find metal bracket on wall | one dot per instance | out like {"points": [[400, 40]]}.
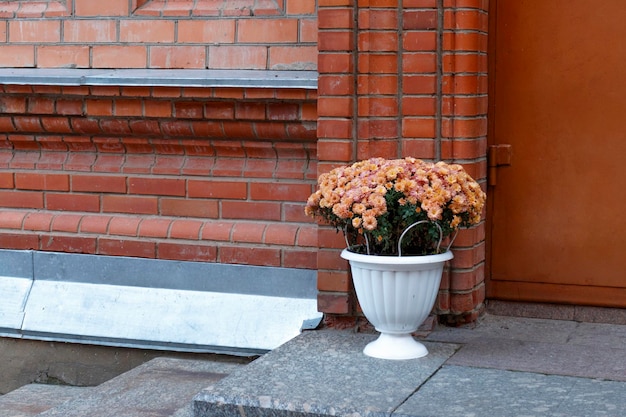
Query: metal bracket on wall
{"points": [[497, 156]]}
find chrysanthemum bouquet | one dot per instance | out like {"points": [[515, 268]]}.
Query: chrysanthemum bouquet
{"points": [[374, 201]]}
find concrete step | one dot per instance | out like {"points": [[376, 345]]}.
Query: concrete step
{"points": [[163, 387], [33, 399]]}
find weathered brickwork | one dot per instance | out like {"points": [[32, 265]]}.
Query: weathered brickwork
{"points": [[168, 173], [222, 174]]}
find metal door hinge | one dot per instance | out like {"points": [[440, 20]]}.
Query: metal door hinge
{"points": [[497, 156]]}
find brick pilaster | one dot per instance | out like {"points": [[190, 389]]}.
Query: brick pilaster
{"points": [[403, 78]]}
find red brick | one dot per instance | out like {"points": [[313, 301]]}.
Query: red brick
{"points": [[46, 182], [107, 8], [237, 57], [146, 31], [80, 162], [69, 107], [107, 56], [6, 124], [125, 226], [99, 107], [108, 163], [177, 57], [156, 186], [281, 234], [279, 191], [6, 180], [329, 238], [17, 56], [73, 202], [378, 19], [248, 232], [185, 229], [335, 129], [11, 104], [264, 31], [34, 31], [335, 41], [308, 30], [293, 57], [89, 31], [56, 124], [217, 189], [250, 210], [182, 252], [168, 165], [12, 219], [27, 124], [189, 208], [307, 236], [19, 241], [418, 127], [297, 258], [333, 303], [249, 256], [220, 231], [21, 199], [69, 244], [335, 18], [66, 223], [129, 204], [206, 31], [335, 63], [24, 160], [119, 247], [333, 281], [154, 227], [98, 224]]}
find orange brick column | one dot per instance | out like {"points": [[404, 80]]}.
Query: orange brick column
{"points": [[402, 78]]}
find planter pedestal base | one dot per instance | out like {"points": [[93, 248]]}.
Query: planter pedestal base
{"points": [[395, 347], [396, 294]]}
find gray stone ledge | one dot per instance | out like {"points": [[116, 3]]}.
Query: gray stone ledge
{"points": [[159, 78]]}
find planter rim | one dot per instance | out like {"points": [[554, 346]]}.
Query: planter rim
{"points": [[395, 260]]}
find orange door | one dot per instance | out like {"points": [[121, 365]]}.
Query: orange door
{"points": [[558, 96]]}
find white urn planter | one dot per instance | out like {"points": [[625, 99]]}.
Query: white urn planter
{"points": [[396, 294]]}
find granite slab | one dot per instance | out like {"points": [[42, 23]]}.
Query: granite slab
{"points": [[456, 391], [163, 387], [320, 373], [558, 347], [33, 399]]}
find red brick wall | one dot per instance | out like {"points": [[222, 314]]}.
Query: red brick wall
{"points": [[224, 34], [205, 174], [221, 174], [403, 79], [212, 174]]}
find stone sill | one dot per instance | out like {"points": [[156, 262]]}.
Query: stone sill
{"points": [[159, 78]]}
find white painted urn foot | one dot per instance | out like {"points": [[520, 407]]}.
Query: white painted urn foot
{"points": [[395, 347]]}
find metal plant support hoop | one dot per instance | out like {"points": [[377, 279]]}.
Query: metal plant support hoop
{"points": [[404, 232]]}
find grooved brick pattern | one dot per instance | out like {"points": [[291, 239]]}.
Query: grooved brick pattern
{"points": [[216, 175]]}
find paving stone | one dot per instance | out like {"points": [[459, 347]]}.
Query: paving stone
{"points": [[557, 347], [474, 392], [320, 373], [32, 399], [163, 387]]}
